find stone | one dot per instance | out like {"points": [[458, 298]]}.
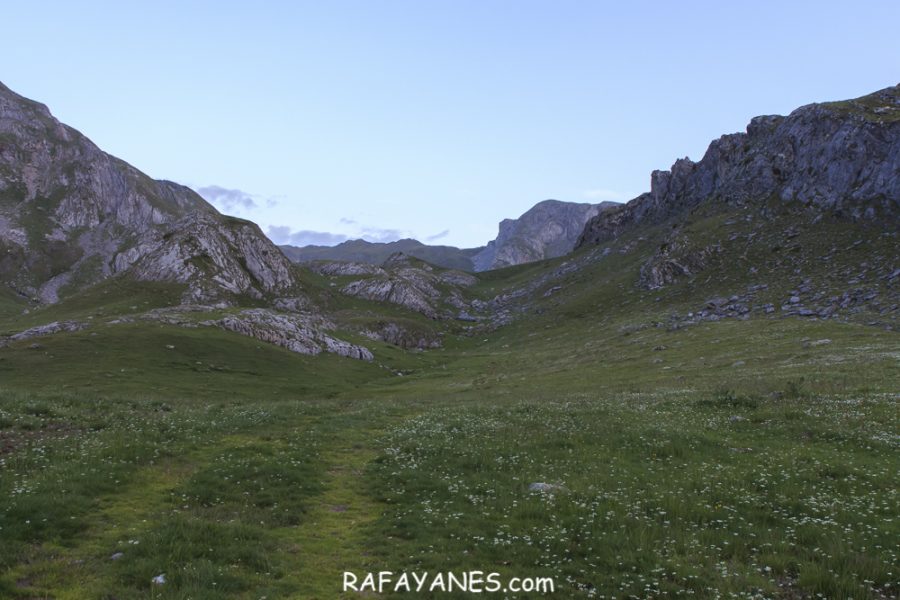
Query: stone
{"points": [[545, 487], [304, 334]]}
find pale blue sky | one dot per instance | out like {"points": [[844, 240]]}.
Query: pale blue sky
{"points": [[414, 118]]}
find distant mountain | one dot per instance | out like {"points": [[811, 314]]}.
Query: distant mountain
{"points": [[547, 230], [836, 158], [376, 253], [72, 215]]}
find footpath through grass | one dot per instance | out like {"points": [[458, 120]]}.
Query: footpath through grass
{"points": [[744, 470]]}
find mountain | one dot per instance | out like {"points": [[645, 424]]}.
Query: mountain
{"points": [[700, 376], [72, 215], [376, 253], [836, 158], [547, 230]]}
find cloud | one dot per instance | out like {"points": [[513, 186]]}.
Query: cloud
{"points": [[373, 234], [226, 199], [603, 195], [437, 236], [281, 234], [346, 221]]}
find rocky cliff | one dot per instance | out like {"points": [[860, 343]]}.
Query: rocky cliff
{"points": [[842, 158], [547, 230], [72, 215]]}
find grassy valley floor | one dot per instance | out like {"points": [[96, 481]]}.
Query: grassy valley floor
{"points": [[729, 459]]}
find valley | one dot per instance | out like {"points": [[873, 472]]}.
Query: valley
{"points": [[706, 387]]}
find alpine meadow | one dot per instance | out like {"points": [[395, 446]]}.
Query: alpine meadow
{"points": [[690, 394]]}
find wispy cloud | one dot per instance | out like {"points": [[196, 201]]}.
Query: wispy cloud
{"points": [[282, 234], [226, 199], [374, 234], [437, 236], [601, 195], [346, 221]]}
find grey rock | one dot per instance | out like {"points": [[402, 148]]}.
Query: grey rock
{"points": [[339, 268], [42, 330], [674, 259], [417, 294], [833, 157], [72, 215], [547, 230], [540, 486], [415, 285], [304, 334], [399, 335]]}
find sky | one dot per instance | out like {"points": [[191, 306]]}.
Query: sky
{"points": [[432, 119]]}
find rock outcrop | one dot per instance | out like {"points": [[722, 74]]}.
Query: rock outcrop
{"points": [[839, 157], [72, 215], [297, 333], [406, 281], [42, 330], [211, 255], [547, 230]]}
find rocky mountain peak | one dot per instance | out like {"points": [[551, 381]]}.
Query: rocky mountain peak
{"points": [[548, 229], [839, 157], [71, 215]]}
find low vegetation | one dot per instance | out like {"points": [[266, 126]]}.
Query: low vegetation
{"points": [[742, 457]]}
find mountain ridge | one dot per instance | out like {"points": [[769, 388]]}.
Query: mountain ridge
{"points": [[376, 253], [72, 215], [548, 229], [842, 157]]}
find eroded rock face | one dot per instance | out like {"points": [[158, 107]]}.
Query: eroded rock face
{"points": [[676, 258], [415, 293], [547, 230], [210, 254], [71, 215], [398, 335], [42, 330], [411, 283], [338, 268], [841, 157], [304, 334]]}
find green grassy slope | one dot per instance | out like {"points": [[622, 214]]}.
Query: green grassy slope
{"points": [[749, 457]]}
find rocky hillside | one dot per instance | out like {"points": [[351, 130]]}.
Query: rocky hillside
{"points": [[361, 251], [72, 215], [547, 230], [838, 158]]}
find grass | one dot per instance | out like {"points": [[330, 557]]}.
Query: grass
{"points": [[738, 458]]}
